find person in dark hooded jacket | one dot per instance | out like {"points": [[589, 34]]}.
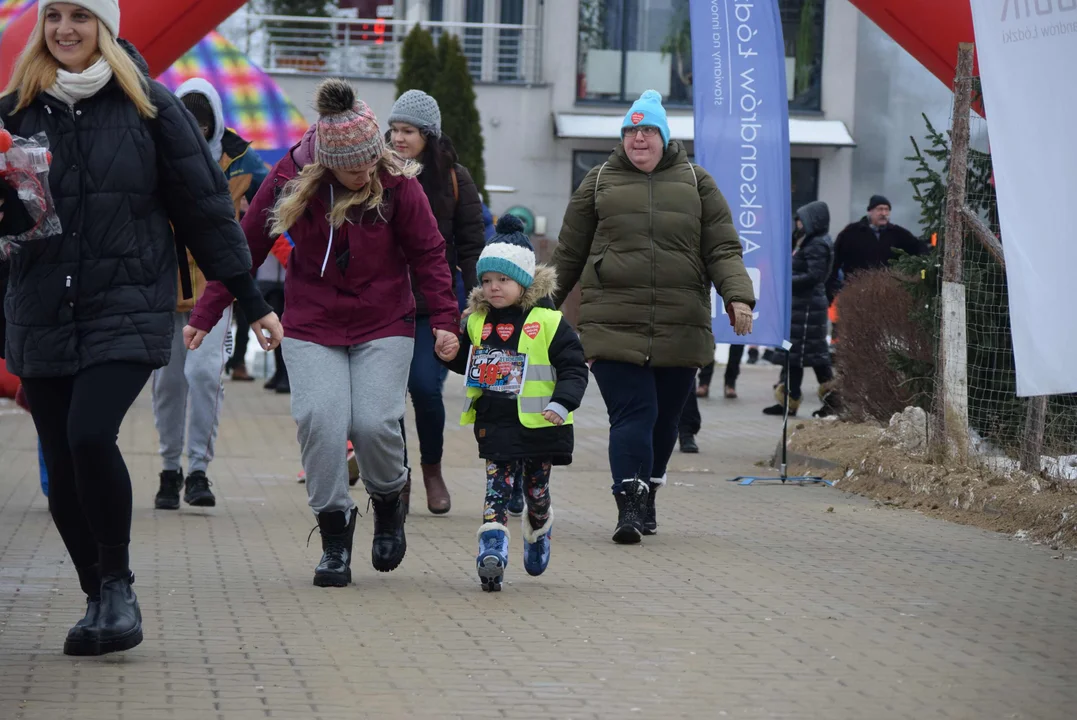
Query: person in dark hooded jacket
{"points": [[523, 414], [415, 133], [90, 311], [813, 254]]}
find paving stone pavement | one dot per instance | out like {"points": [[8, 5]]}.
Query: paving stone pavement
{"points": [[750, 603]]}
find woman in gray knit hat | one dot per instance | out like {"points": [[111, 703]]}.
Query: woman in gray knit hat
{"points": [[415, 133]]}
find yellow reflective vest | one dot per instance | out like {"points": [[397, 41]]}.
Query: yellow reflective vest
{"points": [[540, 377]]}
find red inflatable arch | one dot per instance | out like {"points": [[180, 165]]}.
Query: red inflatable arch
{"points": [[930, 30], [162, 30]]}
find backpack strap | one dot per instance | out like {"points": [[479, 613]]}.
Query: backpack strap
{"points": [[597, 181], [455, 185]]}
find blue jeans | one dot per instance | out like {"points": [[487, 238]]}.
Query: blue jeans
{"points": [[425, 382], [644, 406]]}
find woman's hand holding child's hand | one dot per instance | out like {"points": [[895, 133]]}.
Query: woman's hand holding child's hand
{"points": [[553, 417], [446, 345]]}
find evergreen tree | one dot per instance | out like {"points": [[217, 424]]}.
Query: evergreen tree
{"points": [[455, 93], [418, 63]]}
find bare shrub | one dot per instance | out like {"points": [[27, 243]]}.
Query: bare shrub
{"points": [[885, 358]]}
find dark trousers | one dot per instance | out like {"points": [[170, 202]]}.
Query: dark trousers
{"points": [[823, 373], [425, 383], [78, 419], [732, 367], [275, 298], [644, 406], [243, 334], [691, 421]]}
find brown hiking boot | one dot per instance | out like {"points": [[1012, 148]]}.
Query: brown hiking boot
{"points": [[239, 373], [437, 495]]}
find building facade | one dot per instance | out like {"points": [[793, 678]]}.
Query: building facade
{"points": [[555, 77]]}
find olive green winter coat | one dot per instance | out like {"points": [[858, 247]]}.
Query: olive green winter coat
{"points": [[645, 249]]}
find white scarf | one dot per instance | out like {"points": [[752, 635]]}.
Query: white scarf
{"points": [[72, 87]]}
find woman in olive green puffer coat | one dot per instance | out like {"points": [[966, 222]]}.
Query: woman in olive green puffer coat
{"points": [[645, 235]]}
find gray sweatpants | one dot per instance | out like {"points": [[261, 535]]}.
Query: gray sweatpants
{"points": [[191, 381], [349, 393]]}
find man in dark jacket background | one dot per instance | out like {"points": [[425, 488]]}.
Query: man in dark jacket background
{"points": [[869, 244]]}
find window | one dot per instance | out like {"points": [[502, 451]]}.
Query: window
{"points": [[508, 41], [628, 46], [437, 10], [804, 173], [473, 13], [805, 176]]}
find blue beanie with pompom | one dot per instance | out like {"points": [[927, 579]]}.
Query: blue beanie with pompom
{"points": [[648, 111], [508, 252]]}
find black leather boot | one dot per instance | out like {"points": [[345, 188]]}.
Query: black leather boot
{"points": [[632, 508], [390, 544], [168, 493], [337, 530], [82, 638], [119, 620], [650, 519]]}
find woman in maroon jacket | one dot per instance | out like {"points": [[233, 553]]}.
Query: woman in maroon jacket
{"points": [[359, 220]]}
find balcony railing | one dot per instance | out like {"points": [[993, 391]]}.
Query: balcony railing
{"points": [[370, 48]]}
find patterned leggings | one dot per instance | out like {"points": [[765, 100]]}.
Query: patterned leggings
{"points": [[500, 478]]}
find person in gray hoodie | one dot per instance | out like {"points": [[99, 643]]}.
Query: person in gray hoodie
{"points": [[188, 391]]}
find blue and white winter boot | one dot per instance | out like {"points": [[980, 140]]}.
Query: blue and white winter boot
{"points": [[537, 545], [493, 555]]}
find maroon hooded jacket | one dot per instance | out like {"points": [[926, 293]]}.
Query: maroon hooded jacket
{"points": [[367, 294]]}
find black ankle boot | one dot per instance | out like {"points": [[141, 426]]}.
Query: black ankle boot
{"points": [[196, 490], [337, 530], [632, 508], [119, 620], [169, 491], [82, 638], [390, 544], [650, 517]]}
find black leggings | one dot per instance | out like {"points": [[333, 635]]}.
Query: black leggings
{"points": [[823, 373], [243, 333], [78, 419]]}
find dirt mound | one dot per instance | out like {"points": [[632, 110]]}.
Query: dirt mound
{"points": [[873, 462]]}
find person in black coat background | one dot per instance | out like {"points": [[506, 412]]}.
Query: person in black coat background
{"points": [[415, 133], [868, 244], [90, 311], [813, 255]]}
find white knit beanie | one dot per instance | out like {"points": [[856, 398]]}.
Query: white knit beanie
{"points": [[107, 11]]}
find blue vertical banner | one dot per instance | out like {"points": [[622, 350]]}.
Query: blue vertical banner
{"points": [[742, 139]]}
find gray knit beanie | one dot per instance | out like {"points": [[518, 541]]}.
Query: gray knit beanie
{"points": [[419, 109]]}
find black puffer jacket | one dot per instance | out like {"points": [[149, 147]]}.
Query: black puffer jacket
{"points": [[501, 436], [811, 268], [105, 289], [460, 223]]}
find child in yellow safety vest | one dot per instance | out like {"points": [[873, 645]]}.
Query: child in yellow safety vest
{"points": [[525, 373]]}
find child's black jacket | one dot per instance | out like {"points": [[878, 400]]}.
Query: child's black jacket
{"points": [[498, 431]]}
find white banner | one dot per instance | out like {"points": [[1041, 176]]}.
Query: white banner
{"points": [[1028, 59]]}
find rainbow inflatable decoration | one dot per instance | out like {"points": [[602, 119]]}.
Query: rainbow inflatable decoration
{"points": [[254, 105], [11, 9]]}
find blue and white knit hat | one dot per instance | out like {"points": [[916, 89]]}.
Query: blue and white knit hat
{"points": [[509, 252]]}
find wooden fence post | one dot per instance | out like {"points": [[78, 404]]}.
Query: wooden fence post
{"points": [[953, 407]]}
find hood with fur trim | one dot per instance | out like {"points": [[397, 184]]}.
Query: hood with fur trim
{"points": [[542, 287]]}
